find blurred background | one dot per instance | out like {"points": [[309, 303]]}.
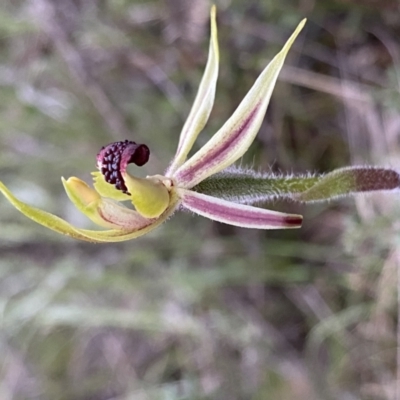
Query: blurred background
{"points": [[197, 309]]}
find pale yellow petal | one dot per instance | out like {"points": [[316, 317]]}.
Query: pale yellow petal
{"points": [[149, 196], [203, 102], [61, 226], [238, 133], [103, 212], [106, 189]]}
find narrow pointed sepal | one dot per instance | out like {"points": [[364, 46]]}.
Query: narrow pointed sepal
{"points": [[237, 134], [237, 214], [203, 103], [59, 225]]}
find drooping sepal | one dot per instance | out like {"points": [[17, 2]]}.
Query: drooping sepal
{"points": [[237, 214], [59, 225], [237, 134]]}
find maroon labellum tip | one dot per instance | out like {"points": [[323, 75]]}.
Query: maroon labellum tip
{"points": [[113, 159]]}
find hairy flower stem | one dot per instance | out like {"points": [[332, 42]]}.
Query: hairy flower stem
{"points": [[248, 186]]}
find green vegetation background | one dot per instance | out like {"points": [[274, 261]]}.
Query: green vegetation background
{"points": [[196, 309]]}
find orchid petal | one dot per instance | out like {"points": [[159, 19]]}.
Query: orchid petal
{"points": [[237, 134], [237, 214], [103, 212], [61, 226], [149, 196], [106, 189], [203, 103]]}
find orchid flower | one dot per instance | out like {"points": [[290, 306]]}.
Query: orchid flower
{"points": [[156, 198], [206, 183]]}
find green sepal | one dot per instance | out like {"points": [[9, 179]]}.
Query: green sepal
{"points": [[233, 139], [61, 226]]}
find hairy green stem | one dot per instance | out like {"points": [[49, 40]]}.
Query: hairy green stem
{"points": [[248, 186]]}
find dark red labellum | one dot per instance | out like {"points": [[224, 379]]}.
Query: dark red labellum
{"points": [[113, 159]]}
